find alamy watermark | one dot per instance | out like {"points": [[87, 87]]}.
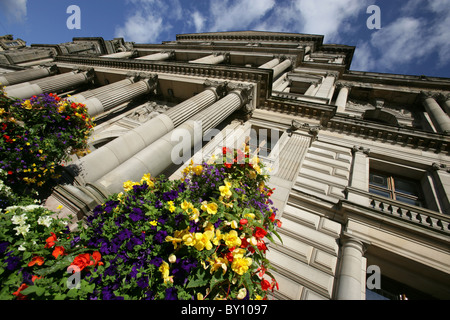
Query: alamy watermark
{"points": [[74, 20], [374, 21], [374, 280]]}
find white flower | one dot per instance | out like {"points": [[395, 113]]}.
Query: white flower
{"points": [[22, 229], [242, 294], [19, 220], [21, 247], [45, 221]]}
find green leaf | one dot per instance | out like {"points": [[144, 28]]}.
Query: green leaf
{"points": [[198, 280]]}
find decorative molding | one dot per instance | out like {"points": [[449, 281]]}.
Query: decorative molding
{"points": [[361, 149]]}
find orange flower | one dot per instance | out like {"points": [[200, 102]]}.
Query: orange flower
{"points": [[84, 260], [59, 251], [18, 294], [36, 260], [51, 241], [34, 278]]}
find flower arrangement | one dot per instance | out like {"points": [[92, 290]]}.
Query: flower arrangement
{"points": [[36, 135], [35, 251], [198, 238]]}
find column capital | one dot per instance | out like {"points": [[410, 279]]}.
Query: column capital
{"points": [[440, 167], [219, 87], [340, 85], [428, 94], [350, 241], [443, 96], [245, 93], [311, 129], [361, 149]]}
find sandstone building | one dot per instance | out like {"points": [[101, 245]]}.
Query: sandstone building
{"points": [[361, 159]]}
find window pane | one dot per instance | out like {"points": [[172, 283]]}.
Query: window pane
{"points": [[406, 186], [380, 192], [378, 180], [408, 201]]}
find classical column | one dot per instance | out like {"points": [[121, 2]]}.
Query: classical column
{"points": [[269, 65], [440, 119], [312, 88], [350, 276], [326, 89], [83, 96], [159, 155], [160, 56], [108, 100], [53, 84], [359, 176], [16, 77], [214, 58], [341, 101], [281, 84], [444, 99], [101, 161], [36, 62], [280, 68], [120, 55]]}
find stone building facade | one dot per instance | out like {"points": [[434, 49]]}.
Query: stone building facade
{"points": [[360, 160]]}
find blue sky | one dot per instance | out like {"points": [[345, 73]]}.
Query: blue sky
{"points": [[414, 37]]}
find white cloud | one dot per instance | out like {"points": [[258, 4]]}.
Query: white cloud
{"points": [[14, 9], [141, 28], [408, 40], [226, 15], [329, 17], [199, 21]]}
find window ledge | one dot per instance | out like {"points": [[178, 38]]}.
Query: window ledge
{"points": [[416, 215]]}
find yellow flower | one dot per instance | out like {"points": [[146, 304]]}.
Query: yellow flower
{"points": [[203, 240], [128, 185], [147, 178], [27, 105], [186, 206], [172, 258], [2, 111], [154, 223], [171, 206], [232, 239], [211, 208], [252, 174], [59, 207], [240, 265], [217, 238], [164, 269], [194, 215], [176, 239], [218, 263], [198, 170], [189, 239], [225, 190]]}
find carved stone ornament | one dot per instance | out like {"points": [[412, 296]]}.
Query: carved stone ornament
{"points": [[311, 129], [356, 149]]}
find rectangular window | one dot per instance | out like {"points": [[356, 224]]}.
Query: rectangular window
{"points": [[396, 188]]}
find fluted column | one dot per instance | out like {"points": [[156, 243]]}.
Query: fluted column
{"points": [[108, 100], [444, 99], [215, 58], [160, 56], [269, 65], [53, 84], [282, 67], [101, 161], [350, 276], [83, 96], [16, 77], [312, 88], [281, 84], [440, 119], [159, 155], [341, 101], [120, 55], [326, 89]]}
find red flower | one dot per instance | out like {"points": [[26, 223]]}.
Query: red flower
{"points": [[261, 245], [272, 217], [10, 172], [18, 294], [243, 222], [34, 278], [59, 251], [36, 260], [67, 118], [260, 233], [265, 285], [51, 241], [228, 165], [84, 260]]}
